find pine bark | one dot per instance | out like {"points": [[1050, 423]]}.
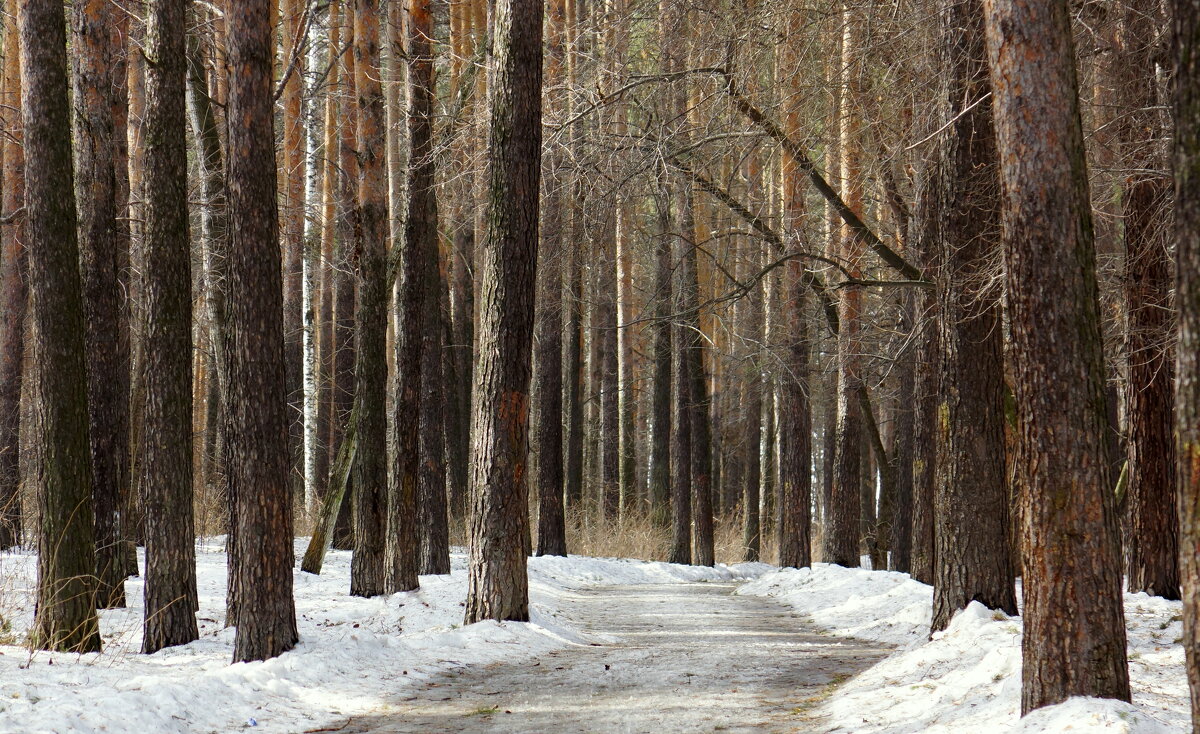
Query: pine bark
{"points": [[971, 555], [1186, 159], [1153, 541], [66, 616], [166, 478], [95, 45], [12, 284], [369, 569], [927, 231], [257, 458], [498, 587], [1074, 642]]}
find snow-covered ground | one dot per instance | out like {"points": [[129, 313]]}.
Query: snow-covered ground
{"points": [[354, 654], [968, 678]]}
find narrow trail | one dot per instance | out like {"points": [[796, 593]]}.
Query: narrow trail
{"points": [[669, 658]]}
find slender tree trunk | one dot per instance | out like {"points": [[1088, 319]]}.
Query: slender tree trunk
{"points": [[498, 587], [659, 469], [681, 420], [258, 458], [292, 224], [927, 230], [547, 387], [971, 556], [166, 483], [12, 285], [66, 616], [1074, 643], [369, 568]]}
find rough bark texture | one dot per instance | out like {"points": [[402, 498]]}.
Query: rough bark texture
{"points": [[166, 470], [95, 45], [795, 431], [926, 225], [659, 460], [425, 278], [1153, 541], [971, 558], [681, 419], [547, 387], [1074, 643], [257, 458], [498, 587], [420, 242], [66, 615], [12, 285], [1186, 156], [369, 570]]}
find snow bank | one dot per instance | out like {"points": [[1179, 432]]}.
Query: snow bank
{"points": [[355, 655], [968, 678]]}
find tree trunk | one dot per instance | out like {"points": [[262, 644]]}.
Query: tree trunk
{"points": [[1186, 159], [369, 567], [971, 556], [659, 469], [1074, 643], [95, 45], [498, 587], [1153, 543], [927, 231], [258, 458], [12, 285], [166, 483], [65, 619]]}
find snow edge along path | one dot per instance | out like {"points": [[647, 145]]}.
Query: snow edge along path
{"points": [[968, 678], [354, 654]]}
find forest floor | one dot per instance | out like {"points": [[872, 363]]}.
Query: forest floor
{"points": [[665, 658], [613, 645]]}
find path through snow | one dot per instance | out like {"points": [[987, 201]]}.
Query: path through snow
{"points": [[662, 658]]}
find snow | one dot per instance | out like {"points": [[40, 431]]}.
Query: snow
{"points": [[354, 655], [357, 656], [968, 678]]}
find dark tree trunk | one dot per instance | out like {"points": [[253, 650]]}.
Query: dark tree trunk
{"points": [[258, 461], [842, 526], [572, 378], [547, 387], [681, 420], [66, 616], [369, 570], [418, 273], [900, 542], [498, 587], [1153, 543], [795, 430], [95, 45], [431, 480], [604, 337], [927, 225], [700, 423], [659, 460], [12, 286], [971, 556], [1074, 643], [1186, 159], [166, 477]]}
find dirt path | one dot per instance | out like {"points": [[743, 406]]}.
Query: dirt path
{"points": [[670, 658]]}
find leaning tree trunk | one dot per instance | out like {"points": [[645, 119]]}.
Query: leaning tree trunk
{"points": [[498, 587], [1074, 643], [166, 476], [66, 616], [1186, 155], [12, 285], [971, 555], [257, 456]]}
